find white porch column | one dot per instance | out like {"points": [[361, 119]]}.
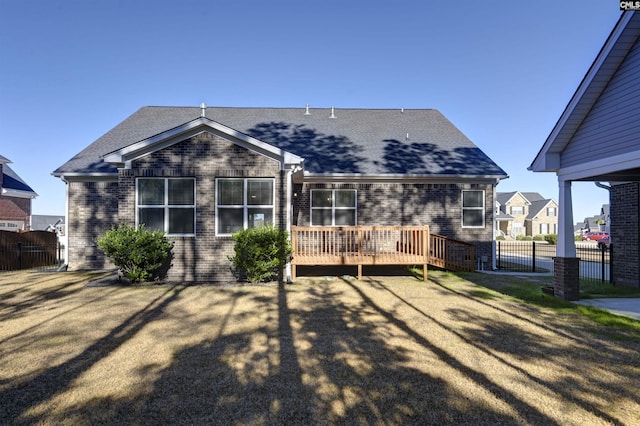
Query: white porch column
{"points": [[566, 243]]}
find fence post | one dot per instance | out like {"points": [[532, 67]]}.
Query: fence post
{"points": [[19, 255], [533, 256], [611, 259], [602, 259], [498, 255]]}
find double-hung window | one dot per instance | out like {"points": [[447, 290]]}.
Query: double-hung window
{"points": [[473, 209], [333, 207], [243, 203], [167, 204]]}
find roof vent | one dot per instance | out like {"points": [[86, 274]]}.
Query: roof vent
{"points": [[203, 108], [306, 110], [407, 137], [333, 113]]}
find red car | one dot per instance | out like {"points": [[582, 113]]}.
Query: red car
{"points": [[595, 236]]}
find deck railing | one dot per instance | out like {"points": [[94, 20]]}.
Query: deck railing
{"points": [[360, 245], [378, 245], [451, 254]]}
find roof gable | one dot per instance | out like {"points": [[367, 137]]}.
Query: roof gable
{"points": [[616, 48], [192, 128]]}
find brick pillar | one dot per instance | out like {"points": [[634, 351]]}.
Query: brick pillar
{"points": [[566, 278]]}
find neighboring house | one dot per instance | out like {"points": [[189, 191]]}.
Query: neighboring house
{"points": [[201, 174], [15, 199], [601, 222], [525, 213], [51, 223], [597, 138]]}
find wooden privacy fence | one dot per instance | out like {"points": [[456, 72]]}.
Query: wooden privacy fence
{"points": [[27, 250], [378, 245]]}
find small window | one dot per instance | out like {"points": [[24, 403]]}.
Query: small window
{"points": [[167, 204], [544, 228], [243, 203], [518, 210], [551, 211], [333, 207], [473, 209]]}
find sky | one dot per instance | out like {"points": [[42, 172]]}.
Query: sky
{"points": [[501, 71]]}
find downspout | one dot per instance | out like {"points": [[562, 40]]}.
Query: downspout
{"points": [[289, 177], [65, 265]]}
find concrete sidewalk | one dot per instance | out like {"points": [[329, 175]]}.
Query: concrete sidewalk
{"points": [[629, 307]]}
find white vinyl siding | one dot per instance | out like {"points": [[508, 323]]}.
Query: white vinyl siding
{"points": [[612, 126]]}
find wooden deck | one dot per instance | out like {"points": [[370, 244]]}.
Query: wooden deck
{"points": [[377, 245]]}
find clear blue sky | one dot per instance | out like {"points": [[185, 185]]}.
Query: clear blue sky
{"points": [[502, 71]]}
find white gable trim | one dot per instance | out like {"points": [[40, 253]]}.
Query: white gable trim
{"points": [[193, 128], [591, 87], [601, 166]]}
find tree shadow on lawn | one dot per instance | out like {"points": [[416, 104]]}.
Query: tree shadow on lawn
{"points": [[580, 354], [28, 392], [321, 358]]}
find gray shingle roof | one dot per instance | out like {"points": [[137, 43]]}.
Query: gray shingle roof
{"points": [[11, 180], [365, 141]]}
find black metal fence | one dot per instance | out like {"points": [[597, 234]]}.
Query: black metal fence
{"points": [[537, 256]]}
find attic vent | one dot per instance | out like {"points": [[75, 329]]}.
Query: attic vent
{"points": [[203, 109], [407, 136], [306, 110], [333, 113]]}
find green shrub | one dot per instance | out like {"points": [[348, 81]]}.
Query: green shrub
{"points": [[551, 239], [139, 253], [260, 253], [538, 237], [523, 237]]}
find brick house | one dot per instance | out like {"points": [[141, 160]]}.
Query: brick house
{"points": [[596, 139], [201, 174], [525, 213], [15, 199]]}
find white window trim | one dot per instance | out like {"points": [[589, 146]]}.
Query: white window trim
{"points": [[333, 207], [463, 209], [245, 206], [167, 206]]}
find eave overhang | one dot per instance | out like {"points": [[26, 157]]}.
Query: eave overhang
{"points": [[308, 177], [8, 192]]}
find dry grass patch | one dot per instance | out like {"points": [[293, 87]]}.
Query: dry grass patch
{"points": [[377, 351]]}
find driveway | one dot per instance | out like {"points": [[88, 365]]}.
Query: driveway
{"points": [[383, 350], [629, 307]]}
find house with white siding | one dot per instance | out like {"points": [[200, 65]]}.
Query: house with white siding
{"points": [[597, 139]]}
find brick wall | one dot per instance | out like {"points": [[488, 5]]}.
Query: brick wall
{"points": [[93, 209], [436, 205], [625, 230], [205, 157]]}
